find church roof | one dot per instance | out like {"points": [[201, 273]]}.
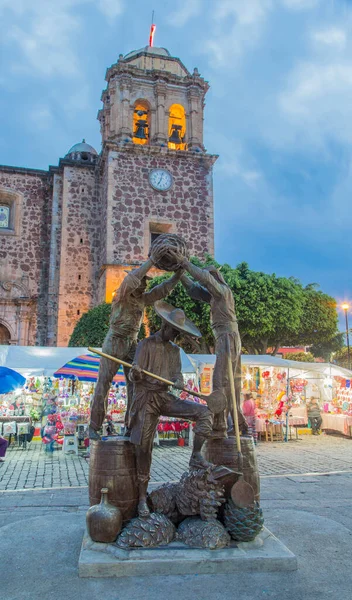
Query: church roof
{"points": [[82, 147], [148, 50]]}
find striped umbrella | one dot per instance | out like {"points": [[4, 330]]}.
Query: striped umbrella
{"points": [[86, 368]]}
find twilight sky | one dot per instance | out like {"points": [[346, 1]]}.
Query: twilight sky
{"points": [[279, 111]]}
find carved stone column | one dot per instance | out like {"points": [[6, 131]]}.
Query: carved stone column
{"points": [[124, 118], [195, 132], [161, 117]]}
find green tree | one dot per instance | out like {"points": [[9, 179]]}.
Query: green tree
{"points": [[327, 347], [271, 311], [269, 308], [319, 321], [92, 327], [341, 357], [300, 356]]}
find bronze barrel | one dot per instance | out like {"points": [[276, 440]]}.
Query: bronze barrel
{"points": [[112, 465], [224, 452]]}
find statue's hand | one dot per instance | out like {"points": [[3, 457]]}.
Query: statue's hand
{"points": [[137, 372], [176, 257]]}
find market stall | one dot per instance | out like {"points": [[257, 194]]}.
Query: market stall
{"points": [[282, 388], [58, 389]]}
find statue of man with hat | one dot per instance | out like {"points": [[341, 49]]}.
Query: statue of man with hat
{"points": [[159, 354], [126, 318]]}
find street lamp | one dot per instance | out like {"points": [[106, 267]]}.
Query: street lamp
{"points": [[345, 308]]}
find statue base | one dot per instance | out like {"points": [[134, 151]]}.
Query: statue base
{"points": [[266, 553]]}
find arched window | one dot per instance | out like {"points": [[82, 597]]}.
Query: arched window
{"points": [[5, 336], [10, 211], [141, 122], [177, 127], [5, 216]]}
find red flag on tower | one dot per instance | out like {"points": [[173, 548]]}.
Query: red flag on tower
{"points": [[152, 32]]}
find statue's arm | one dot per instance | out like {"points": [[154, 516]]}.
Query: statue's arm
{"points": [[204, 277], [177, 377], [139, 362], [133, 280], [195, 291], [162, 290]]}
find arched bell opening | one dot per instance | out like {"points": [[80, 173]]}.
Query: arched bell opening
{"points": [[141, 122], [177, 127]]}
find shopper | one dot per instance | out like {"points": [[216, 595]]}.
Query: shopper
{"points": [[249, 410], [314, 415], [3, 447]]}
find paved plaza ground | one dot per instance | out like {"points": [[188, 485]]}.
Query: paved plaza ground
{"points": [[306, 499], [34, 468]]}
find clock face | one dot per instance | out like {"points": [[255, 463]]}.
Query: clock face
{"points": [[160, 179]]}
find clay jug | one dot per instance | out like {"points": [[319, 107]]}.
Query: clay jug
{"points": [[104, 521]]}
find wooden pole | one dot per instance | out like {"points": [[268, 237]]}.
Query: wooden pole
{"points": [[162, 379]]}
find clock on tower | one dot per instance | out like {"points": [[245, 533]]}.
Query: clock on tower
{"points": [[157, 175]]}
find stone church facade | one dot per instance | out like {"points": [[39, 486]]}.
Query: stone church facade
{"points": [[68, 234]]}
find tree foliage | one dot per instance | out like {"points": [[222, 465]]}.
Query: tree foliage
{"points": [[341, 357], [271, 311], [326, 348], [300, 356], [92, 327]]}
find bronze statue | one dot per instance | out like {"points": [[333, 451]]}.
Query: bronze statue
{"points": [[211, 287], [121, 340], [151, 399], [200, 505]]}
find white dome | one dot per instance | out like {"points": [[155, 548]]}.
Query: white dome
{"points": [[82, 147]]}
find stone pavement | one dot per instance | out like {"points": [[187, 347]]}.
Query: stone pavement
{"points": [[33, 468], [41, 533]]}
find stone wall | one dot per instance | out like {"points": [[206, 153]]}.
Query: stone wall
{"points": [[23, 252], [79, 254], [135, 208]]}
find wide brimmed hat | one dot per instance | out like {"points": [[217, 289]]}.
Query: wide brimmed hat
{"points": [[176, 317]]}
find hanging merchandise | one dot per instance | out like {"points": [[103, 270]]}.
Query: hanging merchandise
{"points": [[298, 385]]}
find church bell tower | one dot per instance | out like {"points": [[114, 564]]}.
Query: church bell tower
{"points": [[156, 174]]}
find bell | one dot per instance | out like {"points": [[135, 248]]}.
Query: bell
{"points": [[175, 137], [141, 127]]}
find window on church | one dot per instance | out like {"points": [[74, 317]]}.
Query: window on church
{"points": [[10, 212], [156, 229], [141, 122], [177, 127], [153, 236], [4, 217]]}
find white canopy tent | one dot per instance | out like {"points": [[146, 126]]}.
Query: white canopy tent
{"points": [[40, 360], [36, 361], [316, 370]]}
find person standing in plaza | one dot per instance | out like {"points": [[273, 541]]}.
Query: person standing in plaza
{"points": [[3, 447], [314, 415], [249, 410]]}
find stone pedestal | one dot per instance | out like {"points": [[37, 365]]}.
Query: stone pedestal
{"points": [[266, 553]]}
